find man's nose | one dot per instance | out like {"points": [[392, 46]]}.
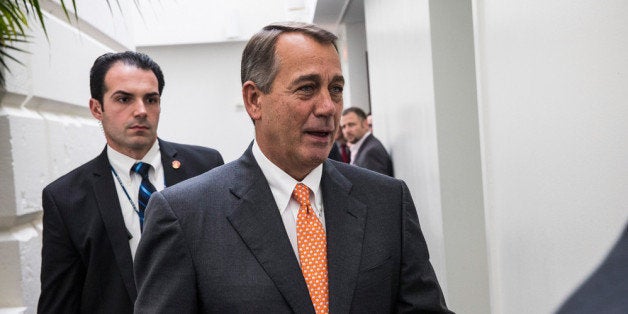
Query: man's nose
{"points": [[326, 105], [140, 108]]}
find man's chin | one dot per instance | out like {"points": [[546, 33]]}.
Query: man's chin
{"points": [[319, 156], [142, 142]]}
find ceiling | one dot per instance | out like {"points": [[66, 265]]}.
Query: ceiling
{"points": [[168, 22]]}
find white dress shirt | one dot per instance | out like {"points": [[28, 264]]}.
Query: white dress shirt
{"points": [[354, 148], [131, 183], [282, 185]]}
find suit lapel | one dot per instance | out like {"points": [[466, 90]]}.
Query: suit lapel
{"points": [[172, 175], [363, 147], [345, 218], [111, 214], [257, 220]]}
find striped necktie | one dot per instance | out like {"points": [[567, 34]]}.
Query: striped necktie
{"points": [[146, 189]]}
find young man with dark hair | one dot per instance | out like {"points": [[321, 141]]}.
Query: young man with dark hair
{"points": [[94, 215]]}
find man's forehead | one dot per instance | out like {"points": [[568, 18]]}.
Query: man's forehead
{"points": [[351, 116], [122, 72], [289, 42], [123, 69]]}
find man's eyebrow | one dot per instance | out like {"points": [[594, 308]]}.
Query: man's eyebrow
{"points": [[121, 92], [316, 78], [338, 79], [305, 78]]}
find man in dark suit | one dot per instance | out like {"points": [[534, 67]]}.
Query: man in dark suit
{"points": [[340, 150], [606, 290], [93, 215], [284, 229], [366, 150]]}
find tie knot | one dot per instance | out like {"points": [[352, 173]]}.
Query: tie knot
{"points": [[142, 169], [301, 194]]}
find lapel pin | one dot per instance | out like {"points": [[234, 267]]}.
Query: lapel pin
{"points": [[176, 164]]}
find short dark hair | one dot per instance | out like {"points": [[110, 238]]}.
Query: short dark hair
{"points": [[105, 62], [259, 63], [359, 112]]}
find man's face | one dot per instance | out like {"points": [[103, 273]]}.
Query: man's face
{"points": [[353, 128], [131, 109], [296, 121]]}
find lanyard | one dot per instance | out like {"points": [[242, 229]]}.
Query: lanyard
{"points": [[125, 191]]}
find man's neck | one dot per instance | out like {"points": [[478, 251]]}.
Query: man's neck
{"points": [[136, 154]]}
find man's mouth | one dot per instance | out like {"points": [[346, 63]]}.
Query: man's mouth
{"points": [[319, 133], [139, 127]]}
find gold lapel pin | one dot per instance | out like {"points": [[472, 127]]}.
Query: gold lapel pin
{"points": [[176, 164]]}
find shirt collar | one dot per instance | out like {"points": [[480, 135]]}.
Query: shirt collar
{"points": [[355, 147], [282, 184], [122, 163]]}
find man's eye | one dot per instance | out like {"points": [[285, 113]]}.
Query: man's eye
{"points": [[336, 89], [123, 100], [306, 88], [153, 100]]}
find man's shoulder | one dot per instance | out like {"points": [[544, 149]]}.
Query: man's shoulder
{"points": [[362, 176], [201, 158], [366, 185], [187, 148], [217, 178], [372, 142]]}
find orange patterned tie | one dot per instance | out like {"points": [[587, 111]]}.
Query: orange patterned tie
{"points": [[312, 245]]}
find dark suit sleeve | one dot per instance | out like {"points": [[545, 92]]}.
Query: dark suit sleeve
{"points": [[62, 271], [419, 291], [606, 290], [163, 267]]}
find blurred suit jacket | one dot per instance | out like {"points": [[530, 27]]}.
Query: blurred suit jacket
{"points": [[606, 290], [373, 156]]}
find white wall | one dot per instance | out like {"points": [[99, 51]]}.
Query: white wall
{"points": [[202, 100], [168, 22], [551, 133], [460, 166], [552, 77], [421, 61], [45, 131], [352, 49], [402, 103]]}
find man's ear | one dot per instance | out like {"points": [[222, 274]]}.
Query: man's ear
{"points": [[96, 108], [251, 96], [365, 124]]}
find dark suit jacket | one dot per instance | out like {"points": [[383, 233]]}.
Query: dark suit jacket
{"points": [[217, 244], [373, 156], [606, 291], [86, 259], [334, 153]]}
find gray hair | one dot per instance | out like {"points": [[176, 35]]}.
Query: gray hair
{"points": [[259, 63]]}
